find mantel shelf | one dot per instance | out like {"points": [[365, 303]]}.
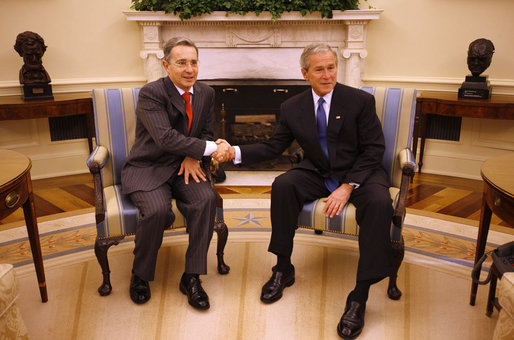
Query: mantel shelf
{"points": [[220, 16]]}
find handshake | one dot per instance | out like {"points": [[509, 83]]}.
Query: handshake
{"points": [[225, 151]]}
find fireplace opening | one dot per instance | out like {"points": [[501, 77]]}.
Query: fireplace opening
{"points": [[247, 112]]}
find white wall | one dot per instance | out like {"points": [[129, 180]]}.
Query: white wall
{"points": [[415, 43], [423, 44]]}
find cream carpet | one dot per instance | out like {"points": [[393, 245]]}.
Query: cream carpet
{"points": [[434, 278]]}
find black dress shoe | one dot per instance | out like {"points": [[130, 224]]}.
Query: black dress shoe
{"points": [[272, 290], [139, 290], [352, 321], [196, 296]]}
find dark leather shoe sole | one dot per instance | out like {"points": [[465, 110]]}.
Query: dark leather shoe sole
{"points": [[191, 301], [288, 282], [139, 291]]}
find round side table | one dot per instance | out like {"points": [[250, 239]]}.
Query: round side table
{"points": [[15, 192], [498, 198]]}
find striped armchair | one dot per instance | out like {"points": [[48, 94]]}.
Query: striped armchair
{"points": [[116, 215], [396, 111]]}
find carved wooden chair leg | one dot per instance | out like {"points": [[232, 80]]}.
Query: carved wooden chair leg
{"points": [[222, 231], [101, 248], [393, 291]]}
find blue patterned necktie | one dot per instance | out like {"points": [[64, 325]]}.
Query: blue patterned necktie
{"points": [[331, 182]]}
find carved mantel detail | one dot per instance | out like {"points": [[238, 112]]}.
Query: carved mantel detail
{"points": [[246, 41]]}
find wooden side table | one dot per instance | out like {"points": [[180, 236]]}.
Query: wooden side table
{"points": [[63, 104], [15, 192], [498, 197], [447, 104]]}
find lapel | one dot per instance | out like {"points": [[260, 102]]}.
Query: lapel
{"points": [[177, 101], [307, 117], [198, 108], [336, 116]]}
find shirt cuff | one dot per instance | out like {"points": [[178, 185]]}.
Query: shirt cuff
{"points": [[210, 148], [355, 185], [237, 159]]}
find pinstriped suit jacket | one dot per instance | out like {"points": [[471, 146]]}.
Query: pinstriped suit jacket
{"points": [[162, 140]]}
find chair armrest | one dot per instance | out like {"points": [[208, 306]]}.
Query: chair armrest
{"points": [[407, 161], [98, 157], [95, 163], [408, 166]]}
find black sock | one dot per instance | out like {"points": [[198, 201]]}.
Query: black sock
{"points": [[284, 264], [361, 291], [188, 276]]}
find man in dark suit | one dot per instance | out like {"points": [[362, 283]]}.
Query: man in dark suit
{"points": [[343, 146], [173, 133]]}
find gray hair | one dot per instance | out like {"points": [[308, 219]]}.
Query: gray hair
{"points": [[305, 58], [177, 41]]}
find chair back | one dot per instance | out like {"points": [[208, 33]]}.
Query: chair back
{"points": [[115, 124], [396, 110]]}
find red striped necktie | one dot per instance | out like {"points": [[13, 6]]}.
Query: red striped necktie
{"points": [[189, 110]]}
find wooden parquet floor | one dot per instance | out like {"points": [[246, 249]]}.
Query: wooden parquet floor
{"points": [[453, 196]]}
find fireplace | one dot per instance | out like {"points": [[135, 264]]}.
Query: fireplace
{"points": [[247, 112]]}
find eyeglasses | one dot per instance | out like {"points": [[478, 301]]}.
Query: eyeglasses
{"points": [[182, 63]]}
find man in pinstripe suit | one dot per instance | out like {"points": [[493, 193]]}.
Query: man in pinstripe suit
{"points": [[173, 132], [343, 144]]}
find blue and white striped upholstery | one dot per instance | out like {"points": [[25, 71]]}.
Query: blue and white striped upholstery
{"points": [[396, 111], [115, 121]]}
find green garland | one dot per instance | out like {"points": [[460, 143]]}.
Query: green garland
{"points": [[187, 9]]}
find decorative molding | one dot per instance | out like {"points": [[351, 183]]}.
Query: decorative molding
{"points": [[252, 36], [500, 86], [220, 16], [13, 88], [492, 135]]}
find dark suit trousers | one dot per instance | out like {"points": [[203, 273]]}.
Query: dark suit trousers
{"points": [[196, 201], [374, 214]]}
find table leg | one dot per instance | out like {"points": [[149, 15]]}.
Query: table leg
{"points": [[483, 230], [30, 219], [492, 290], [423, 135], [415, 132], [89, 123]]}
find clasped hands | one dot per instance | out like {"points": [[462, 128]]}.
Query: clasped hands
{"points": [[225, 151]]}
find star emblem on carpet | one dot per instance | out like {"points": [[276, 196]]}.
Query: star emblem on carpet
{"points": [[249, 219]]}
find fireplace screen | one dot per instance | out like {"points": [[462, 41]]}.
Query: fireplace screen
{"points": [[247, 114]]}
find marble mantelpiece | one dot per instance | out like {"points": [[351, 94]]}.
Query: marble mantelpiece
{"points": [[257, 47]]}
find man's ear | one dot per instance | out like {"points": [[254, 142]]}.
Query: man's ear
{"points": [[304, 73]]}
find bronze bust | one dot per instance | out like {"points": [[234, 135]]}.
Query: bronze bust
{"points": [[31, 47], [480, 54], [33, 75]]}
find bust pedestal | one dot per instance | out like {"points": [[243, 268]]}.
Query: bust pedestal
{"points": [[475, 87], [37, 91]]}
